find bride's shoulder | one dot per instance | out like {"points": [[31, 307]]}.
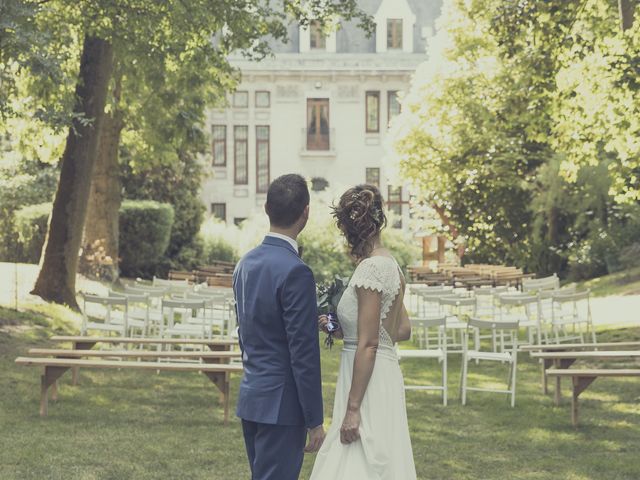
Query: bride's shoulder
{"points": [[375, 266], [381, 262]]}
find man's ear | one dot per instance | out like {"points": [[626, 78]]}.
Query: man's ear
{"points": [[266, 209], [306, 212]]}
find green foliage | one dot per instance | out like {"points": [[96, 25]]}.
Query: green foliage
{"points": [[323, 246], [31, 226], [34, 56], [177, 184], [405, 248], [521, 132], [22, 183], [218, 249], [171, 62], [322, 243], [145, 229]]}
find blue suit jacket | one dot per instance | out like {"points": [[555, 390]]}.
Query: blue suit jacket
{"points": [[277, 318]]}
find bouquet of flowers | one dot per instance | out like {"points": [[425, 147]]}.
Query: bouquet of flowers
{"points": [[329, 295]]}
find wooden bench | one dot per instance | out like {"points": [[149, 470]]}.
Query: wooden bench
{"points": [[86, 342], [578, 346], [507, 277], [582, 378], [209, 357], [564, 359], [81, 342], [182, 275], [472, 282], [426, 276], [54, 368], [219, 280]]}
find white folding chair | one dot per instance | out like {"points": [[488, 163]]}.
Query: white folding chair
{"points": [[421, 326], [545, 309], [487, 307], [203, 289], [98, 314], [161, 282], [457, 309], [571, 309], [138, 311], [429, 305], [511, 357], [535, 285], [485, 304], [216, 312], [420, 291], [175, 287], [188, 310], [154, 292], [521, 308]]}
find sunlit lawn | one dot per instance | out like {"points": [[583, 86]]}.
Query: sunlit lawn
{"points": [[626, 282], [133, 425]]}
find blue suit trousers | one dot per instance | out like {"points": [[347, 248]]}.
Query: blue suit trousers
{"points": [[275, 452]]}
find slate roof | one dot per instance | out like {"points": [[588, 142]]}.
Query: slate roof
{"points": [[351, 39]]}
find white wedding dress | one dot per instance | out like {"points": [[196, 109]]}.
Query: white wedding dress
{"points": [[383, 451]]}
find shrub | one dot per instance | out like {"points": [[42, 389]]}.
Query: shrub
{"points": [[403, 245], [22, 183], [324, 248], [145, 230], [324, 251], [31, 228], [177, 183], [218, 249]]}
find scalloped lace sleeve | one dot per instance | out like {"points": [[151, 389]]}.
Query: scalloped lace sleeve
{"points": [[367, 275]]}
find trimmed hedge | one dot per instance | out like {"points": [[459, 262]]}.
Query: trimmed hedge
{"points": [[31, 227], [145, 230]]}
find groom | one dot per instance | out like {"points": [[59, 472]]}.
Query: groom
{"points": [[280, 398]]}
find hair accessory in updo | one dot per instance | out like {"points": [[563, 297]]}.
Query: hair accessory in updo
{"points": [[359, 215]]}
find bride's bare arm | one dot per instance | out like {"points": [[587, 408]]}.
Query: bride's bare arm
{"points": [[404, 329], [369, 304]]}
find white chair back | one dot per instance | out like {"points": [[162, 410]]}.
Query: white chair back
{"points": [[101, 313], [551, 282], [420, 329], [475, 327], [572, 310], [187, 309]]}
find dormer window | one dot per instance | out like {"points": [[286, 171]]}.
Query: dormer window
{"points": [[395, 23], [317, 38], [394, 34]]}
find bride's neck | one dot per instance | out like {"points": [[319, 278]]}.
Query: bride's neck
{"points": [[376, 244]]}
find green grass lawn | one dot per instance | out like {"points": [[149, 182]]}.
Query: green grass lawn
{"points": [[626, 282], [133, 425]]}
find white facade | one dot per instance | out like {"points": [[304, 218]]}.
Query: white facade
{"points": [[341, 145]]}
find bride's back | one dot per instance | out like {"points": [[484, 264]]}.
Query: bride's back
{"points": [[382, 274], [391, 322]]}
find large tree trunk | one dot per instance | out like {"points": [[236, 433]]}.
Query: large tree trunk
{"points": [[57, 278], [626, 9], [100, 247]]}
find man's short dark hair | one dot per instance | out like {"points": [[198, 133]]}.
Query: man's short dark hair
{"points": [[287, 198]]}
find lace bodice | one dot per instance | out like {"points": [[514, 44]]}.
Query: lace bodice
{"points": [[377, 273]]}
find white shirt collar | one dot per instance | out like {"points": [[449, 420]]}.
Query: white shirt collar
{"points": [[290, 240]]}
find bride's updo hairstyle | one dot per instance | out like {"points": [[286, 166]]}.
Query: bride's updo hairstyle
{"points": [[360, 216]]}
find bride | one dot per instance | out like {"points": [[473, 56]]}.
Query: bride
{"points": [[369, 434]]}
